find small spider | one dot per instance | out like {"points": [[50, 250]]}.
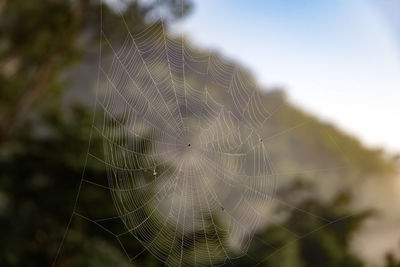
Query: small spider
{"points": [[189, 145], [222, 208], [259, 139]]}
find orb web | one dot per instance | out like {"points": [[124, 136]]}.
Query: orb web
{"points": [[188, 168], [180, 158]]}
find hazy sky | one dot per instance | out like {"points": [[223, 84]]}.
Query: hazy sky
{"points": [[339, 59]]}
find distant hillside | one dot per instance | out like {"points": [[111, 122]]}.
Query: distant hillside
{"points": [[299, 143]]}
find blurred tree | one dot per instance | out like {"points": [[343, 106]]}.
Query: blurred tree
{"points": [[42, 143], [391, 260], [41, 39], [306, 240]]}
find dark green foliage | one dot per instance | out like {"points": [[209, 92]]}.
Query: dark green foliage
{"points": [[307, 240], [42, 143], [392, 260]]}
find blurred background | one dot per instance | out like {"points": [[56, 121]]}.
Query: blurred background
{"points": [[328, 69]]}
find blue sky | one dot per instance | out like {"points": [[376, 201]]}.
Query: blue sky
{"points": [[339, 59]]}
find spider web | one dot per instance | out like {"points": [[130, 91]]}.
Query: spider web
{"points": [[188, 166]]}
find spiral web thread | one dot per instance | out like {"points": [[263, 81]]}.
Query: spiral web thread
{"points": [[188, 168], [206, 160]]}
